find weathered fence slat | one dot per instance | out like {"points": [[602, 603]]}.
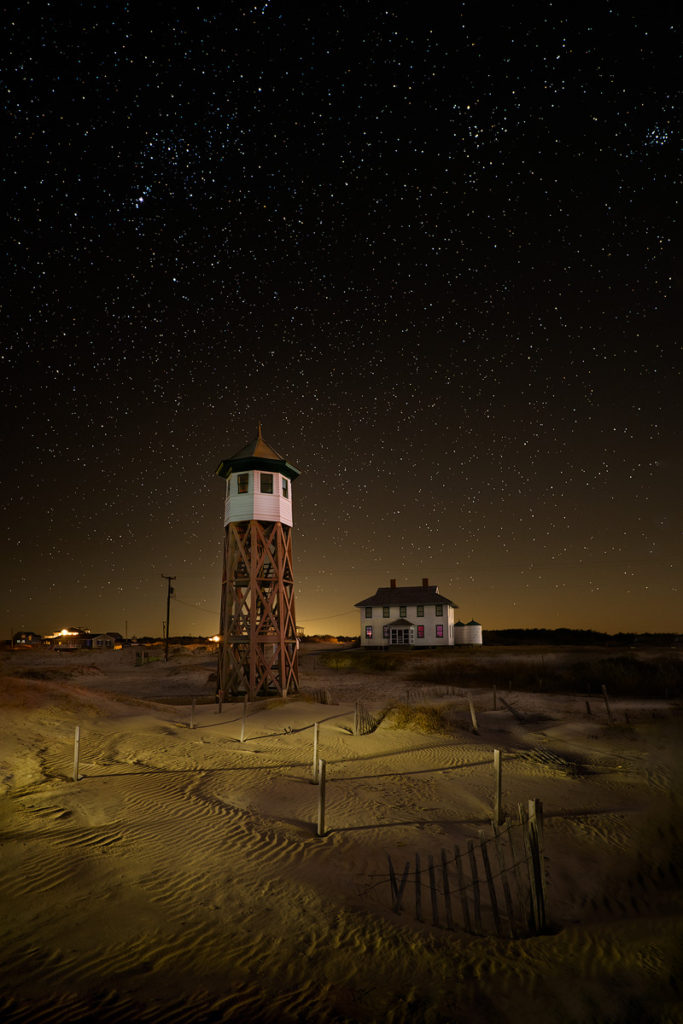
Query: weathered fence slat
{"points": [[464, 903], [446, 889], [418, 888], [397, 887], [432, 890], [502, 871], [489, 882], [475, 886]]}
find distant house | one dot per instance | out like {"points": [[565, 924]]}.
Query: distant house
{"points": [[100, 641], [407, 616], [26, 639], [69, 639]]}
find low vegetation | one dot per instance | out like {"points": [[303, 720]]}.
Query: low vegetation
{"points": [[624, 675], [362, 661], [420, 718]]}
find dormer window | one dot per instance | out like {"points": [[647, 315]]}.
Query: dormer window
{"points": [[266, 483], [285, 487], [242, 483]]}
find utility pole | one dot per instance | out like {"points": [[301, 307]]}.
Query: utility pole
{"points": [[168, 609]]}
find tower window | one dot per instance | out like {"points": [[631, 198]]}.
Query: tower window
{"points": [[285, 487], [266, 483], [242, 483]]}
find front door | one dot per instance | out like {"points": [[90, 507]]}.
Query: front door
{"points": [[399, 636]]}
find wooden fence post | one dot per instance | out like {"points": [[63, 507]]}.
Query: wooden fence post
{"points": [[475, 886], [489, 882], [531, 870], [473, 716], [355, 719], [588, 708], [315, 753], [194, 701], [418, 888], [77, 750], [495, 705], [464, 903], [609, 712], [446, 889], [397, 888], [497, 805], [244, 717], [432, 889], [536, 844], [321, 797], [220, 702], [502, 870]]}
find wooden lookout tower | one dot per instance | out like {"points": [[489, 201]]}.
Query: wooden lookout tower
{"points": [[258, 650]]}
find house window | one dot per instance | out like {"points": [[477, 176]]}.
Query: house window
{"points": [[420, 611], [420, 632], [385, 612], [402, 611], [385, 632], [368, 632], [266, 483], [285, 487], [242, 483], [439, 609], [439, 630], [368, 613]]}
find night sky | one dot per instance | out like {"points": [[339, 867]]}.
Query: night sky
{"points": [[440, 261]]}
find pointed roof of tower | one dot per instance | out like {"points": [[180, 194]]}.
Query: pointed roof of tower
{"points": [[258, 448], [257, 454]]}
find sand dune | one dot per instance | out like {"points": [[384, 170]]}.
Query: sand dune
{"points": [[181, 878]]}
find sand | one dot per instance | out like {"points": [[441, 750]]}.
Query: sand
{"points": [[181, 877]]}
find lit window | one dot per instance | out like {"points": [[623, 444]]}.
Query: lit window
{"points": [[385, 612], [266, 483], [285, 487], [402, 611], [439, 630], [420, 611], [368, 613], [368, 632], [242, 483], [385, 632], [420, 632], [439, 609]]}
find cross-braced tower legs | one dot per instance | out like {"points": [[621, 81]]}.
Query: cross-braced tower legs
{"points": [[258, 626]]}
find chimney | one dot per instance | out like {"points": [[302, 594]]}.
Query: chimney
{"points": [[392, 583], [425, 581]]}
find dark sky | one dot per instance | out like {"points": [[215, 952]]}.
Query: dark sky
{"points": [[440, 261]]}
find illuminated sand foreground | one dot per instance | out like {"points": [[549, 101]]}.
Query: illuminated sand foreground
{"points": [[181, 878]]}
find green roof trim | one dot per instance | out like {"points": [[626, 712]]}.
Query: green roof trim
{"points": [[235, 465]]}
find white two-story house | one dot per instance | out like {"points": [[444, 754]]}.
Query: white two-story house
{"points": [[407, 616]]}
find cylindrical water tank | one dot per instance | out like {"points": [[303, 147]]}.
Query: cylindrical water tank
{"points": [[473, 632], [459, 633]]}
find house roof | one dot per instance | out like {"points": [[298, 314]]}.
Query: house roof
{"points": [[404, 596], [257, 454]]}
